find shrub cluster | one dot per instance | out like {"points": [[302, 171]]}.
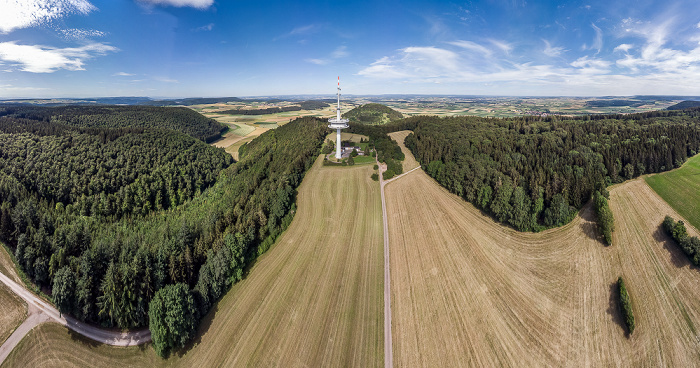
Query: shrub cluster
{"points": [[626, 305], [604, 215], [689, 244]]}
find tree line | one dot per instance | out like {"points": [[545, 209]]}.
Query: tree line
{"points": [[106, 269], [533, 173], [179, 119], [388, 151], [689, 244]]}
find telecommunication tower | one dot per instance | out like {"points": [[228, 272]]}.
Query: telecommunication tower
{"points": [[337, 123]]}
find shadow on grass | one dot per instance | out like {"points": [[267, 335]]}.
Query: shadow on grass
{"points": [[614, 309]]}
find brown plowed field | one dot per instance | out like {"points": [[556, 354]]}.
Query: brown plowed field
{"points": [[469, 292]]}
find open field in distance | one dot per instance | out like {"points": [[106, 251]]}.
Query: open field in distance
{"points": [[469, 292], [681, 189], [314, 299]]}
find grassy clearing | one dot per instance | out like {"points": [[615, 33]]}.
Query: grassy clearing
{"points": [[469, 292], [347, 137], [314, 299], [360, 160], [409, 162], [681, 189], [13, 310]]}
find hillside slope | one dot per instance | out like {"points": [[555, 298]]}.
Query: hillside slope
{"points": [[372, 113]]}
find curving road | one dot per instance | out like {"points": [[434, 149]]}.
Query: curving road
{"points": [[41, 311]]}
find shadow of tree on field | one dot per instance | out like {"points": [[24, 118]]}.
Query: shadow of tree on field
{"points": [[614, 310], [204, 325], [589, 226], [678, 256]]}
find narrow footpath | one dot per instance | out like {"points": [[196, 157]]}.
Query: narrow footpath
{"points": [[388, 347], [39, 311]]}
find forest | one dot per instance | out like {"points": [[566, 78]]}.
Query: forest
{"points": [[535, 173], [372, 113], [104, 218], [179, 119]]}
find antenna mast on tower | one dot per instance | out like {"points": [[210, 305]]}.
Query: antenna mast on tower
{"points": [[338, 124]]}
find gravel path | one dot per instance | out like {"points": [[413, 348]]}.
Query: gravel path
{"points": [[40, 311]]}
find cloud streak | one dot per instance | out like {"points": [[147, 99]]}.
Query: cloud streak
{"points": [[42, 59], [28, 13], [199, 4]]}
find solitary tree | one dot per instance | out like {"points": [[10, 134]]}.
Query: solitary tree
{"points": [[173, 318]]}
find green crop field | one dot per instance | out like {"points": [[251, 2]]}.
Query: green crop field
{"points": [[314, 299], [681, 189]]}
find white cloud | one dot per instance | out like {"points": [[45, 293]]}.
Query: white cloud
{"points": [[431, 59], [505, 47], [317, 61], [199, 4], [80, 34], [552, 51], [27, 13], [586, 65], [625, 47], [472, 46], [598, 41], [166, 80], [122, 74], [340, 52], [207, 27], [42, 59]]}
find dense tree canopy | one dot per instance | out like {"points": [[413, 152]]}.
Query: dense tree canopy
{"points": [[372, 113], [105, 266], [179, 119], [534, 173]]}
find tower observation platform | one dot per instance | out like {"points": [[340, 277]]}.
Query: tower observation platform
{"points": [[337, 123]]}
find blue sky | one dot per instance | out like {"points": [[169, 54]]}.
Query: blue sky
{"points": [[189, 48]]}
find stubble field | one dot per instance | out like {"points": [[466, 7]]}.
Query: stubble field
{"points": [[314, 299], [469, 292], [409, 162]]}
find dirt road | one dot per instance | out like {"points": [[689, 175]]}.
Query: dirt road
{"points": [[41, 311]]}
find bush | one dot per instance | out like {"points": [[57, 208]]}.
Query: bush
{"points": [[690, 245], [376, 167], [626, 305], [604, 215], [388, 174], [375, 177]]}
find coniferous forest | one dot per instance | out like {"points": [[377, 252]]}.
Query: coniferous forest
{"points": [[107, 214], [534, 173]]}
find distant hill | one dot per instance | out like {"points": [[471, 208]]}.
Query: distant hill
{"points": [[684, 105], [373, 113], [613, 103]]}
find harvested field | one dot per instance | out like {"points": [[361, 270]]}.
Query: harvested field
{"points": [[409, 162], [13, 310], [52, 345], [314, 299], [469, 292], [681, 189]]}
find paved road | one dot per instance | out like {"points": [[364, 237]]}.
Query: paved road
{"points": [[388, 346], [41, 311]]}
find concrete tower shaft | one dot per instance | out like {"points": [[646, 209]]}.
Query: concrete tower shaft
{"points": [[338, 124]]}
